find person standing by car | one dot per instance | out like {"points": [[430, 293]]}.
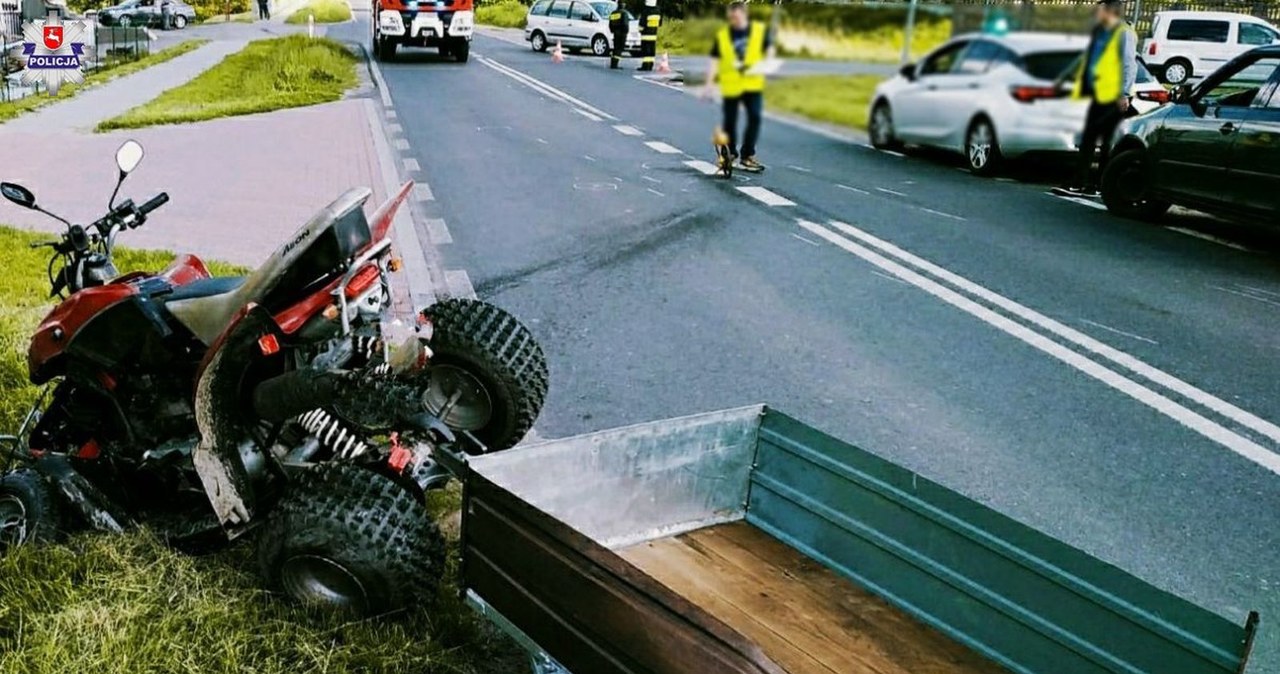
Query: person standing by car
{"points": [[264, 10], [166, 15], [618, 29], [739, 46], [1106, 76]]}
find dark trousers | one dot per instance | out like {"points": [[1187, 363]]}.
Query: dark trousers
{"points": [[753, 101], [264, 11], [1099, 125], [619, 46]]}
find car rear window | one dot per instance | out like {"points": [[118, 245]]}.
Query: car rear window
{"points": [[1198, 30], [604, 9], [1048, 65], [1256, 34], [539, 8]]}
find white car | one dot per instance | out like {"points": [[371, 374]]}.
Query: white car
{"points": [[577, 24], [992, 97], [1185, 45]]}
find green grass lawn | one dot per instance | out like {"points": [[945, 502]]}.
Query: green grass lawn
{"points": [[881, 43], [325, 11], [502, 13], [126, 604], [109, 71], [284, 72], [835, 99]]}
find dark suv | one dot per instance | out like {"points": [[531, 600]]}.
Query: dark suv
{"points": [[1215, 148]]}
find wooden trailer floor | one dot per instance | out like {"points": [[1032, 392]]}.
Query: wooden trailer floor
{"points": [[802, 615]]}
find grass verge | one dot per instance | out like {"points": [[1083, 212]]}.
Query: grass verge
{"points": [[109, 71], [873, 42], [124, 604], [503, 13], [284, 72], [835, 99], [325, 11]]}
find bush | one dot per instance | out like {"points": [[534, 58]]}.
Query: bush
{"points": [[503, 13], [210, 8], [325, 11]]}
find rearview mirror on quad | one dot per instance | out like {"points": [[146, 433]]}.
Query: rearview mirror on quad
{"points": [[18, 195], [128, 157]]}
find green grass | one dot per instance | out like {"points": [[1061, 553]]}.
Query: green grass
{"points": [[325, 11], [879, 43], [124, 604], [284, 72], [503, 13], [242, 17], [109, 71], [835, 99]]}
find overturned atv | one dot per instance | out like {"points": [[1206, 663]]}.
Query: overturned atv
{"points": [[292, 403]]}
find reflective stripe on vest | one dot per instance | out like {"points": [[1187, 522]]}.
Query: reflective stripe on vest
{"points": [[1108, 72], [733, 81]]}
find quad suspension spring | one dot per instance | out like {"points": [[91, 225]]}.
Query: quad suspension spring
{"points": [[344, 443]]}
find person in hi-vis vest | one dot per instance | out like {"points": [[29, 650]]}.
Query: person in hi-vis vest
{"points": [[650, 19], [1106, 76], [618, 29], [740, 45]]}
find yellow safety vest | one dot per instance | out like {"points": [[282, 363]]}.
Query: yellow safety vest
{"points": [[1108, 72], [733, 80]]}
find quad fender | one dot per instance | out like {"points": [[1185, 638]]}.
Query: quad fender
{"points": [[380, 223], [222, 416]]}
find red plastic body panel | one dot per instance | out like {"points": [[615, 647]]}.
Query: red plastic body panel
{"points": [[57, 329], [184, 269], [399, 6]]}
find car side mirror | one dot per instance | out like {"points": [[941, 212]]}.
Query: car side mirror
{"points": [[1181, 94], [908, 71], [18, 195]]}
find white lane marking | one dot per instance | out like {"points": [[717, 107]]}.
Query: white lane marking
{"points": [[411, 164], [892, 153], [1260, 291], [703, 167], [1226, 409], [400, 144], [1209, 237], [1091, 203], [437, 231], [889, 191], [800, 169], [383, 92], [661, 83], [1196, 422], [659, 146], [394, 129], [589, 115], [422, 192], [391, 114], [655, 192], [891, 277], [588, 157], [1118, 331], [459, 283], [627, 130], [542, 141], [766, 197], [806, 239], [651, 179], [1251, 296], [545, 89], [815, 129], [852, 189], [941, 213]]}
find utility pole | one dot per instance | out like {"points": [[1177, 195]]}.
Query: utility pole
{"points": [[906, 33]]}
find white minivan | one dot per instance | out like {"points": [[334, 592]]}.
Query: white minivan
{"points": [[577, 25], [1187, 45]]}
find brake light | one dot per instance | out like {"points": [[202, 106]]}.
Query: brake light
{"points": [[1029, 94], [1151, 49], [361, 281], [1155, 95]]}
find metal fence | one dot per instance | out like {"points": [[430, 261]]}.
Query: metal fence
{"points": [[969, 15]]}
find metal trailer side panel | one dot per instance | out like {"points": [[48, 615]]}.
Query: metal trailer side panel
{"points": [[1027, 601]]}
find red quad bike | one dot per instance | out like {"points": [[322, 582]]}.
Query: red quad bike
{"points": [[292, 403]]}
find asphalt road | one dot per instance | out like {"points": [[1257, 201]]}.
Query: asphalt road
{"points": [[1105, 381]]}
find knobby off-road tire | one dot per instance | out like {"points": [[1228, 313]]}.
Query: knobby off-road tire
{"points": [[31, 509], [477, 343], [346, 538]]}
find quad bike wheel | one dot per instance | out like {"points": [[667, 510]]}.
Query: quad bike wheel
{"points": [[346, 538], [30, 509], [488, 375]]}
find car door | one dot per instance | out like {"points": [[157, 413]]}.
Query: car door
{"points": [[1253, 170], [961, 95], [1195, 143], [537, 18], [913, 107], [557, 21], [581, 24]]}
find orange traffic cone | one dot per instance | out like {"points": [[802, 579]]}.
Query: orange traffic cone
{"points": [[664, 64], [557, 54]]}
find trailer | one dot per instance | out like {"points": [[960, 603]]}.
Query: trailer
{"points": [[744, 541]]}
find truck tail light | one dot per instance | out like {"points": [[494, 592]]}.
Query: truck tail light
{"points": [[1157, 96], [1029, 94], [1151, 48]]}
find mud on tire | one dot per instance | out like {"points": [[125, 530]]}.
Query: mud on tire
{"points": [[347, 538], [490, 346], [30, 509]]}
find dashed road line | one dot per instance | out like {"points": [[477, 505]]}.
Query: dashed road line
{"points": [[806, 239], [653, 191], [941, 214], [395, 129], [703, 167], [422, 192], [589, 115], [400, 144], [766, 197], [893, 153], [543, 141], [651, 179], [627, 130], [411, 165], [660, 83], [852, 189], [437, 231], [588, 157], [391, 114], [664, 148], [458, 284], [1118, 331], [1091, 203], [1247, 295], [800, 169], [886, 190], [1209, 237]]}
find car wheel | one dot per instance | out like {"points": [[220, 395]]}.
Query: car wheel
{"points": [[981, 148], [880, 128], [1125, 189], [1177, 71], [461, 51], [179, 22], [30, 510], [123, 21], [599, 46], [386, 50], [538, 41]]}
